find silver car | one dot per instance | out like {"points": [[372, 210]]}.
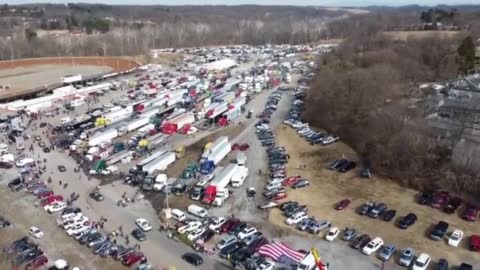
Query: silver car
{"points": [[318, 226], [406, 257], [228, 240]]}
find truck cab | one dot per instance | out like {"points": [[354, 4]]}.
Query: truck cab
{"points": [[207, 167], [221, 196], [209, 195], [160, 182], [147, 183]]}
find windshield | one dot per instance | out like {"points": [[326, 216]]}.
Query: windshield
{"points": [[405, 256], [420, 264]]}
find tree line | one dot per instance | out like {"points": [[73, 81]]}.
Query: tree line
{"points": [[367, 93]]}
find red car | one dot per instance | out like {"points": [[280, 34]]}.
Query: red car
{"points": [[228, 225], [235, 147], [244, 147], [132, 258], [291, 180], [470, 213], [279, 196], [440, 199], [45, 194], [37, 262], [51, 199], [342, 204]]}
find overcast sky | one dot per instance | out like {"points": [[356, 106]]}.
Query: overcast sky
{"points": [[261, 2]]}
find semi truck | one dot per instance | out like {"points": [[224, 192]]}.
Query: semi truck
{"points": [[172, 125], [103, 137], [160, 164], [212, 147], [216, 192], [119, 157], [239, 177], [220, 153], [153, 156], [198, 189]]}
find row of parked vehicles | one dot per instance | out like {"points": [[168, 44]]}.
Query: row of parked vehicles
{"points": [[448, 203], [303, 129], [26, 252], [76, 225], [239, 244]]}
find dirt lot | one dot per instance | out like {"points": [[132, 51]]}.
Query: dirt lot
{"points": [[28, 74], [328, 187]]}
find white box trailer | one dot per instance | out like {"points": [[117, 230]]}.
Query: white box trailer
{"points": [[119, 157], [118, 115], [153, 156], [222, 180], [137, 123], [175, 100], [103, 137], [223, 107], [239, 177], [182, 120], [160, 164], [220, 153], [215, 145]]}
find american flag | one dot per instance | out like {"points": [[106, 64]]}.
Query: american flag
{"points": [[281, 253]]}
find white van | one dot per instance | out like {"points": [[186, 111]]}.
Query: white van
{"points": [[178, 215], [197, 211]]}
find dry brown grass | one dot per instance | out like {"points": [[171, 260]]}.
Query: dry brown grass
{"points": [[328, 187]]}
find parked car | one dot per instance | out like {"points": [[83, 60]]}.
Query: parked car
{"points": [[97, 196], [318, 226], [246, 232], [360, 241], [230, 239], [228, 250], [228, 225], [422, 262], [439, 231], [452, 206], [133, 258], [296, 218], [425, 197], [143, 224], [377, 210], [372, 246], [349, 234], [139, 235], [389, 215], [407, 221], [365, 208], [35, 232], [442, 264], [386, 252], [192, 258], [342, 204], [301, 184], [406, 257], [470, 213], [332, 234], [455, 238], [440, 199]]}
